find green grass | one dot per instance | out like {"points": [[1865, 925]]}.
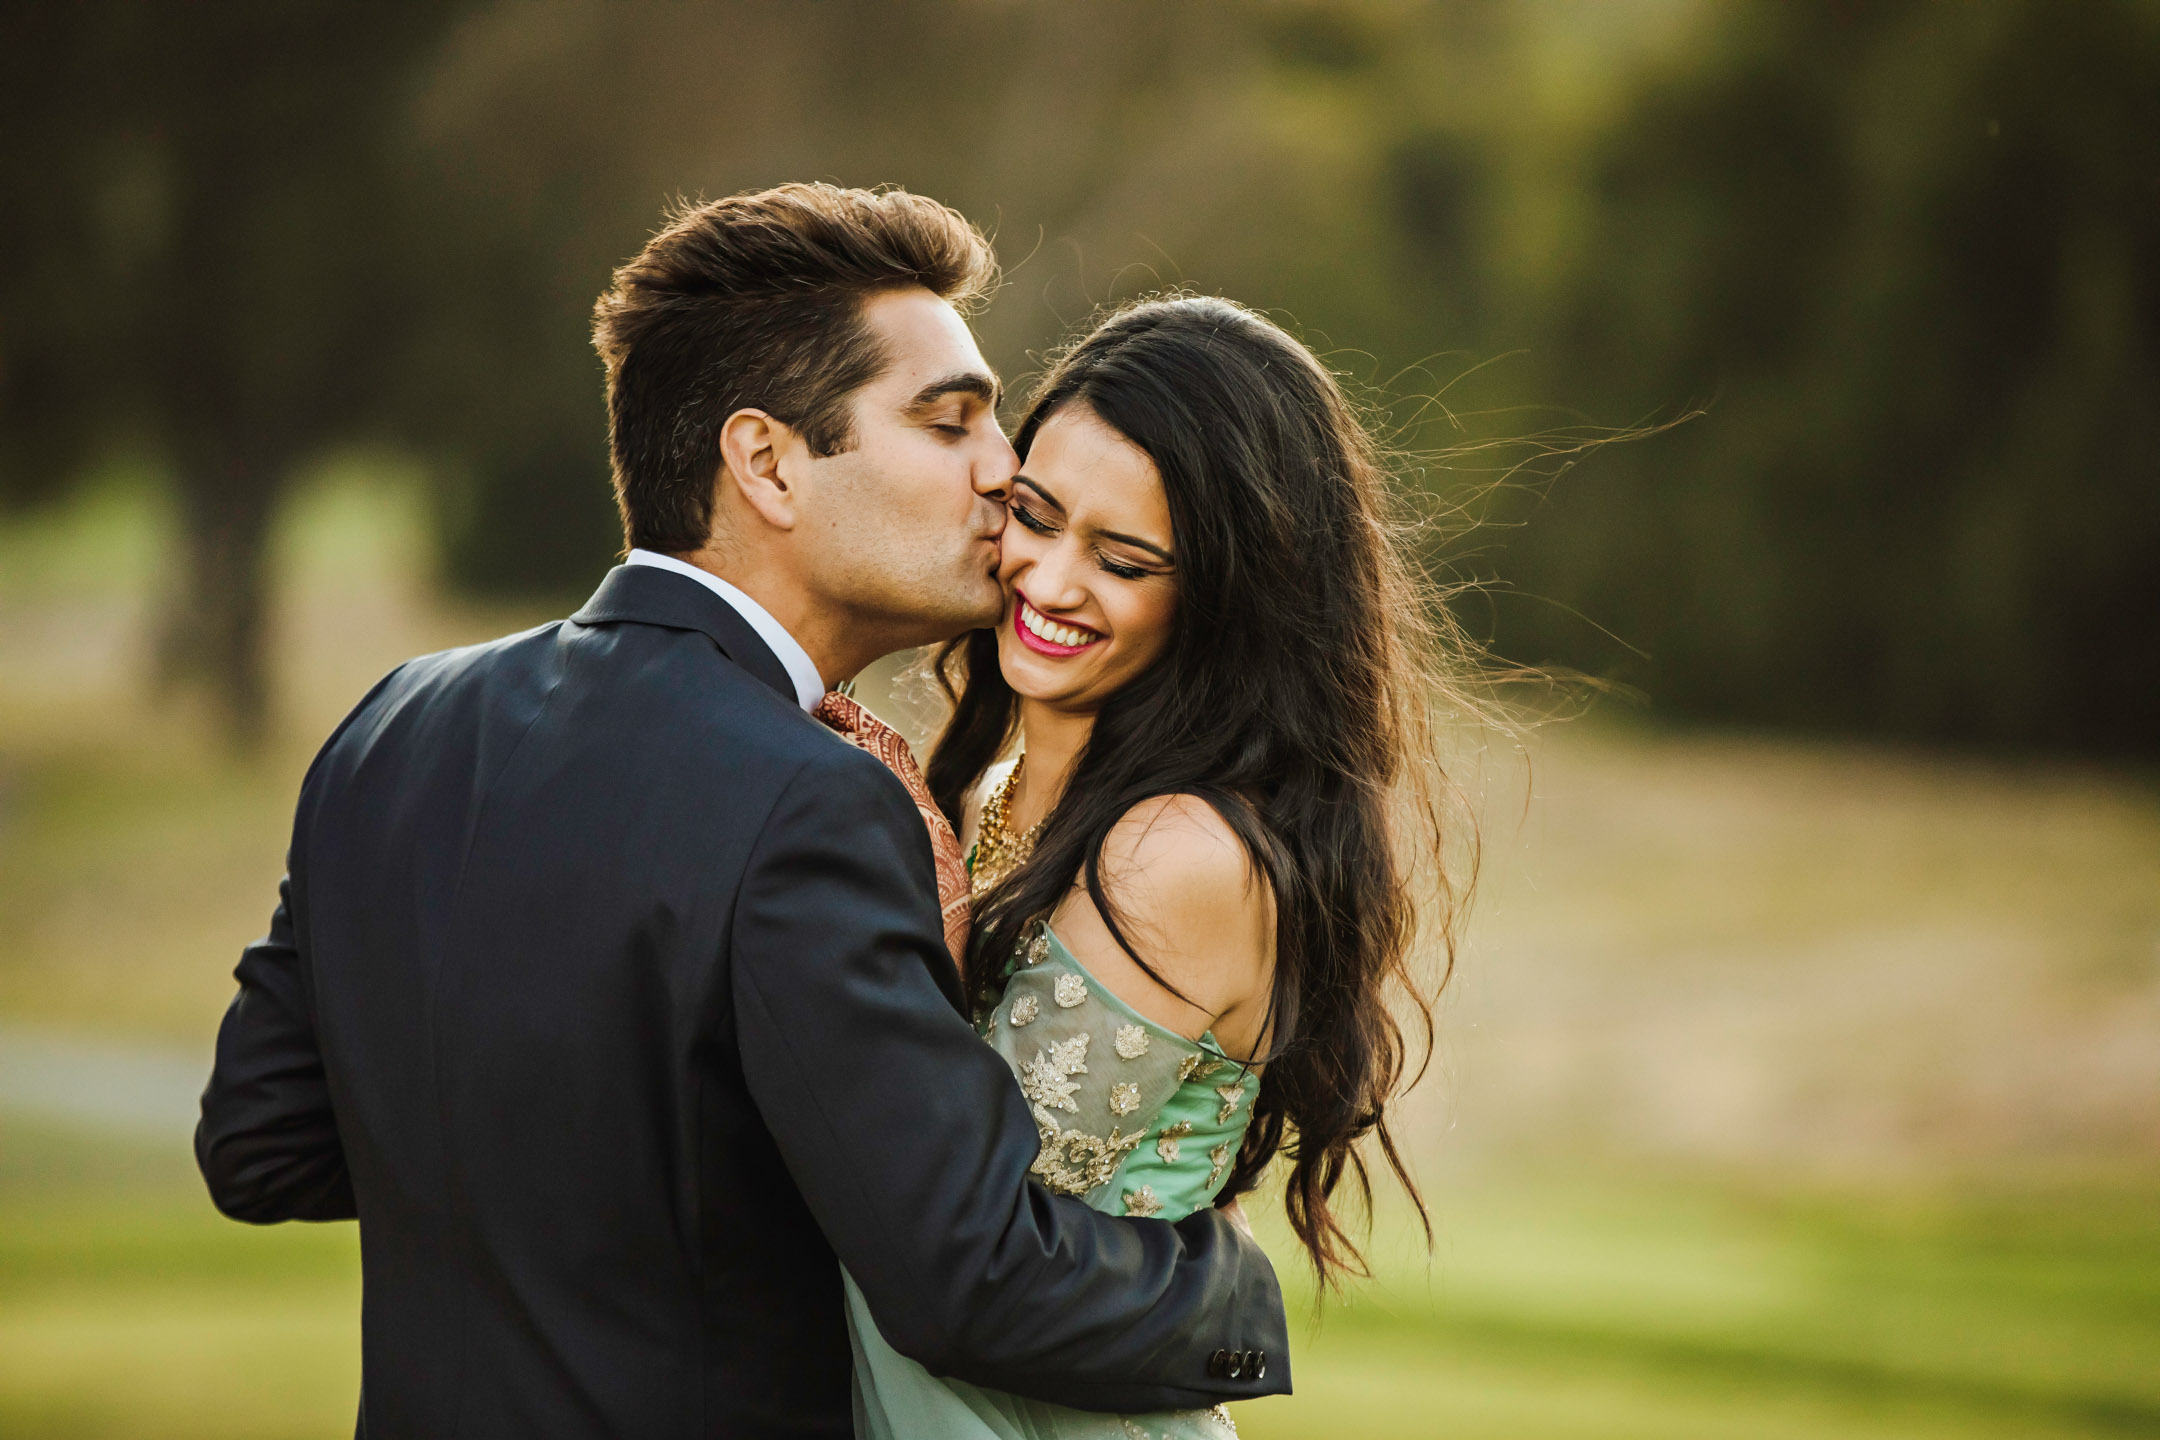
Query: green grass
{"points": [[1555, 1305], [130, 1308], [1598, 1305]]}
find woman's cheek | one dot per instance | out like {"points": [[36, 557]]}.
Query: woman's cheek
{"points": [[1148, 623], [1017, 549], [1008, 561]]}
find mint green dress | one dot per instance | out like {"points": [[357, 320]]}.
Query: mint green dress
{"points": [[1135, 1120]]}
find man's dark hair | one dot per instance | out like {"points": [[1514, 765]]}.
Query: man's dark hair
{"points": [[757, 301]]}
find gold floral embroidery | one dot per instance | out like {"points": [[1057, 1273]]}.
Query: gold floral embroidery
{"points": [[1043, 1079], [1038, 949], [1231, 1094], [1166, 1143], [1131, 1042], [1217, 1159], [1186, 1067], [1024, 1010], [1141, 1202], [1069, 991], [1072, 1163], [1132, 1431], [1207, 1068]]}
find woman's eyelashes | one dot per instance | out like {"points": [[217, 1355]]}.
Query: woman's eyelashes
{"points": [[1043, 525], [1034, 522]]}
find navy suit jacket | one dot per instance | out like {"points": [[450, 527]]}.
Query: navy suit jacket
{"points": [[608, 991]]}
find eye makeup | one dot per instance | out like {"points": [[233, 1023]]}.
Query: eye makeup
{"points": [[1024, 511]]}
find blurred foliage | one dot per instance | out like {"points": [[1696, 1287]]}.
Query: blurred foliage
{"points": [[1908, 256], [203, 258]]}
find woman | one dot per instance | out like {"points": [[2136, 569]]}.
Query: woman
{"points": [[1191, 885]]}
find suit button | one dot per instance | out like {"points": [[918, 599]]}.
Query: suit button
{"points": [[1234, 1367], [1256, 1367], [1218, 1364]]}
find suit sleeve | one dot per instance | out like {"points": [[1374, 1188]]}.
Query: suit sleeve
{"points": [[910, 1141], [268, 1141]]}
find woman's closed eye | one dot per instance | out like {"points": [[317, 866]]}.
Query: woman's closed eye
{"points": [[1027, 516], [1120, 568], [1035, 521]]}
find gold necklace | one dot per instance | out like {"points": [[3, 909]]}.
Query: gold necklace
{"points": [[998, 852]]}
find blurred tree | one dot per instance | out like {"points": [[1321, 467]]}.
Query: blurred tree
{"points": [[204, 253], [1912, 254]]}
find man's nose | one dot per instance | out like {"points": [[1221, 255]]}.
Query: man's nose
{"points": [[994, 472]]}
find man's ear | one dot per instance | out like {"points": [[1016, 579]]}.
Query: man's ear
{"points": [[752, 447]]}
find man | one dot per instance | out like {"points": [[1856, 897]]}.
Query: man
{"points": [[608, 988]]}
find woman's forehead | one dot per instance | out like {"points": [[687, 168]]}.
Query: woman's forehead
{"points": [[1096, 475]]}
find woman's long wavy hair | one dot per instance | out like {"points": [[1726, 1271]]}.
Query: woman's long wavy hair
{"points": [[1295, 695]]}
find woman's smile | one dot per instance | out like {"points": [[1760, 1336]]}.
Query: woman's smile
{"points": [[1045, 636]]}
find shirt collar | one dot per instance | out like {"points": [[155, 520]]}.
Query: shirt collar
{"points": [[809, 685]]}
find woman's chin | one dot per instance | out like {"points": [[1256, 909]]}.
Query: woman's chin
{"points": [[1036, 677]]}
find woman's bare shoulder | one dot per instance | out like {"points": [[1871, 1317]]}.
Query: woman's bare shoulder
{"points": [[1188, 895], [1178, 853]]}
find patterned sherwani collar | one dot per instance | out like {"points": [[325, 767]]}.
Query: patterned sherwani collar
{"points": [[865, 730]]}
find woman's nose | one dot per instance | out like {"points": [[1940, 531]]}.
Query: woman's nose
{"points": [[1053, 581]]}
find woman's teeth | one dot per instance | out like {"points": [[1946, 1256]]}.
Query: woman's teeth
{"points": [[1050, 630]]}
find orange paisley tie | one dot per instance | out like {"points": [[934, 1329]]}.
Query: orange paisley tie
{"points": [[864, 730]]}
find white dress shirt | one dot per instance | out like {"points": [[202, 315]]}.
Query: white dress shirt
{"points": [[809, 685]]}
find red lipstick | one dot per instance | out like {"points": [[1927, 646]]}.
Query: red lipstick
{"points": [[1029, 624]]}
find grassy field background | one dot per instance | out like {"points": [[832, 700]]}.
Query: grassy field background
{"points": [[1785, 1089]]}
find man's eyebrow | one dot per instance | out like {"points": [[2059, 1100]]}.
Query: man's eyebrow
{"points": [[965, 382]]}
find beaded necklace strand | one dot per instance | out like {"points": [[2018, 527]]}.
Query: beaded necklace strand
{"points": [[998, 852]]}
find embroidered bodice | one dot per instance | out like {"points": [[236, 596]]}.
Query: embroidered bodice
{"points": [[1136, 1119]]}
